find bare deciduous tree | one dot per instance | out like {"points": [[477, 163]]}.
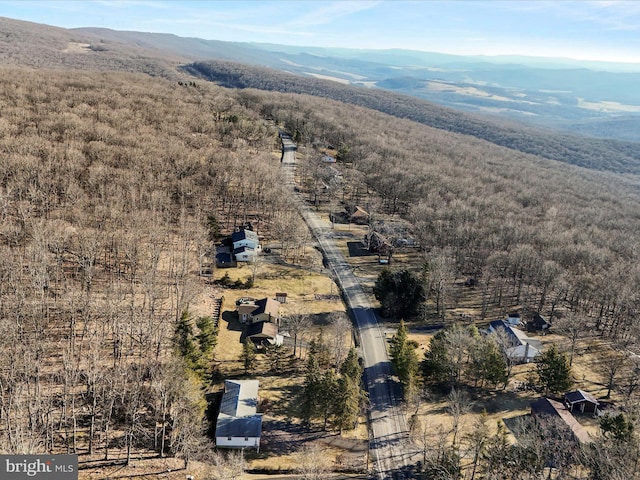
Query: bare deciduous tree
{"points": [[312, 463]]}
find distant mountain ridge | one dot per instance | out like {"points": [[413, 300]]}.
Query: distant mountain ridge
{"points": [[592, 153], [466, 83], [593, 98]]}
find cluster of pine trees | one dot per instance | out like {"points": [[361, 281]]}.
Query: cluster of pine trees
{"points": [[334, 396]]}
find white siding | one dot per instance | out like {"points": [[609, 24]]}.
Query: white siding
{"points": [[247, 242], [238, 442], [245, 257]]}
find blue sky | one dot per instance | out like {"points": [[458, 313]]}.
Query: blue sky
{"points": [[587, 30]]}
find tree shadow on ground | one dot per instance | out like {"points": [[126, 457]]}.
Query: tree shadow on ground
{"points": [[231, 318], [287, 408], [356, 249], [281, 437], [321, 319], [514, 424], [499, 400]]}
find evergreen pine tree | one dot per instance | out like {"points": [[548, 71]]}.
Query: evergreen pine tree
{"points": [[351, 367], [326, 396], [350, 394], [311, 388], [404, 358], [207, 338], [488, 364], [248, 355], [436, 366], [185, 342], [554, 371]]}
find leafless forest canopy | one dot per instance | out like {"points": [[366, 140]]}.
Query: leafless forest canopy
{"points": [[106, 184], [606, 155]]}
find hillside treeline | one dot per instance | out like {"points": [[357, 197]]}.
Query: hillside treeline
{"points": [[598, 154], [533, 232], [109, 184], [26, 44]]}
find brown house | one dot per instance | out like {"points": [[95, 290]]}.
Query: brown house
{"points": [[264, 310], [263, 333], [377, 243], [360, 216]]}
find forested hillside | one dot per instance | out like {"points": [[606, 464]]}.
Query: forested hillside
{"points": [[108, 183], [598, 154], [107, 186], [552, 234], [25, 44]]}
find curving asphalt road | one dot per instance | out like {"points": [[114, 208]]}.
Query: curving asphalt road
{"points": [[390, 447]]}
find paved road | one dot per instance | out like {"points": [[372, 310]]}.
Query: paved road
{"points": [[390, 446]]}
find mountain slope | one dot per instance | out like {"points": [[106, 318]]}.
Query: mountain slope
{"points": [[598, 154], [558, 93], [42, 46]]}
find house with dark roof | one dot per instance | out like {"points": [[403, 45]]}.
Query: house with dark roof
{"points": [[263, 310], [538, 323], [545, 407], [239, 425], [263, 334], [517, 345], [245, 238], [581, 401]]}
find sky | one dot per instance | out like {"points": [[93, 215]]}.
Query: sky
{"points": [[583, 30]]}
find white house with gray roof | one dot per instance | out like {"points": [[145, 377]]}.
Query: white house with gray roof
{"points": [[239, 424], [517, 345]]}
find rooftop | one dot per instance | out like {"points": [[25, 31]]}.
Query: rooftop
{"points": [[546, 406], [238, 415]]}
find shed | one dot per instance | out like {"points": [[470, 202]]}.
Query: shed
{"points": [[513, 318], [538, 322], [579, 400], [281, 297]]}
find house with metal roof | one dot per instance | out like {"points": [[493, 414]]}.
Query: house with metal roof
{"points": [[239, 424], [517, 345], [245, 238], [244, 254]]}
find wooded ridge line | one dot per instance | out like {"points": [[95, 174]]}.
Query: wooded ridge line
{"points": [[599, 154]]}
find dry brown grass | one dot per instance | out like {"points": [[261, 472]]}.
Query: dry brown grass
{"points": [[509, 404], [279, 392], [301, 286]]}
